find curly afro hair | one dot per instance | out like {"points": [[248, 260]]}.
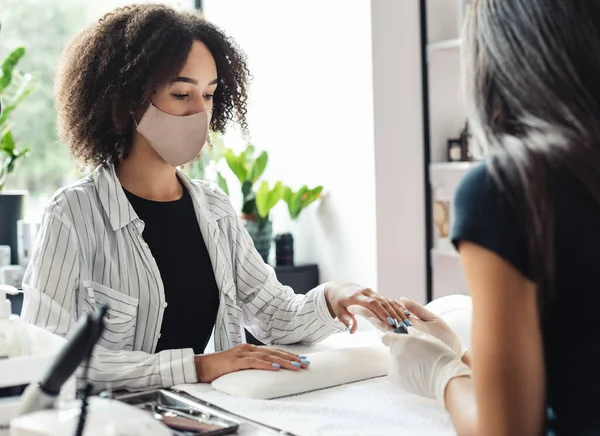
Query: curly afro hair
{"points": [[111, 69]]}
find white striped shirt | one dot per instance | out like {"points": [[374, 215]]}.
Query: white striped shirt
{"points": [[90, 250]]}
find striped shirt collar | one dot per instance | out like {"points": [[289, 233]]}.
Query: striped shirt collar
{"points": [[120, 212]]}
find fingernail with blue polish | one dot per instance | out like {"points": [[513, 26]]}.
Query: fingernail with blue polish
{"points": [[276, 365], [301, 357], [391, 321], [296, 364], [306, 362], [401, 328], [406, 312], [408, 323]]}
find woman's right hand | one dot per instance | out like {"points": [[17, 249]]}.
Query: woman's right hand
{"points": [[209, 367]]}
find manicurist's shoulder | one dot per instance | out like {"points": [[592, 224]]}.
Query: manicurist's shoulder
{"points": [[476, 201], [477, 187], [483, 215]]}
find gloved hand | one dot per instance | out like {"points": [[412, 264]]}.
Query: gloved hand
{"points": [[422, 364], [430, 323]]}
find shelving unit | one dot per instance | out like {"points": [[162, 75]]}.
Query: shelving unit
{"points": [[449, 44], [444, 119]]}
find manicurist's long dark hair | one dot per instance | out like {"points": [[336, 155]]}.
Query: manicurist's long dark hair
{"points": [[531, 71]]}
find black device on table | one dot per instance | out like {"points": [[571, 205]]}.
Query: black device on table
{"points": [[16, 302], [77, 350]]}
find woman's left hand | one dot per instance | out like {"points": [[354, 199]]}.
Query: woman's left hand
{"points": [[341, 295], [422, 364]]}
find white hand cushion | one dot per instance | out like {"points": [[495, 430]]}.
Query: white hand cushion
{"points": [[328, 368], [457, 312]]}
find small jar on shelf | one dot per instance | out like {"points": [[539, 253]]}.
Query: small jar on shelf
{"points": [[462, 149], [456, 152], [441, 221]]}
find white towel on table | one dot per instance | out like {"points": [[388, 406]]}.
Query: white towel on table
{"points": [[370, 408]]}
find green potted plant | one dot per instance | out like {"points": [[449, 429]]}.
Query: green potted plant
{"points": [[15, 86], [256, 203], [297, 201]]}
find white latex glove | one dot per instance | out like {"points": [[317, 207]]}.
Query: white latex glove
{"points": [[421, 364], [428, 322]]}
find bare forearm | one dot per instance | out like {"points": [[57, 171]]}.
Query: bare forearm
{"points": [[461, 405]]}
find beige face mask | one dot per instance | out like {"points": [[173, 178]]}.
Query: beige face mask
{"points": [[177, 139]]}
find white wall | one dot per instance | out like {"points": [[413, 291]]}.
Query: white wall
{"points": [[336, 100], [312, 110], [399, 168]]}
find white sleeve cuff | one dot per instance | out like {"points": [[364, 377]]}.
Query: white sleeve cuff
{"points": [[177, 367], [322, 310]]}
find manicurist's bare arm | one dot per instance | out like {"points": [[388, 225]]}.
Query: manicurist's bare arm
{"points": [[506, 395]]}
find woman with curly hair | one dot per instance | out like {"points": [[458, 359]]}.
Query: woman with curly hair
{"points": [[136, 94]]}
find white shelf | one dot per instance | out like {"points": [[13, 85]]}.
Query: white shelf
{"points": [[444, 252], [449, 44], [447, 117], [452, 166], [445, 177]]}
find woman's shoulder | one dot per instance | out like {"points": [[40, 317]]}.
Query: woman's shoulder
{"points": [[475, 185], [483, 215], [215, 199], [477, 198], [68, 199]]}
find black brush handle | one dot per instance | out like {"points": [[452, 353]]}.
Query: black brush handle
{"points": [[77, 349]]}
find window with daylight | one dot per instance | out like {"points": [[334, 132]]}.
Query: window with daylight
{"points": [[43, 27]]}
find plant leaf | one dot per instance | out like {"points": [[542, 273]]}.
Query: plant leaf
{"points": [[297, 201], [222, 183], [23, 153], [248, 153], [10, 167], [288, 197], [259, 166], [9, 65], [8, 107], [312, 195], [287, 194], [7, 143], [262, 198], [266, 198], [237, 165]]}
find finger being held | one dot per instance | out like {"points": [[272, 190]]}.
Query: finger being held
{"points": [[374, 304], [396, 316], [417, 309], [399, 311]]}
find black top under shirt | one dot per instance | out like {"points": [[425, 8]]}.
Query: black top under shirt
{"points": [[172, 232], [482, 215]]}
